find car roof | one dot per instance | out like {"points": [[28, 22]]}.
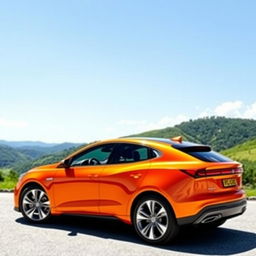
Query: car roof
{"points": [[175, 144], [182, 146]]}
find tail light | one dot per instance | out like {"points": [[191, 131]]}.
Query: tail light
{"points": [[214, 172]]}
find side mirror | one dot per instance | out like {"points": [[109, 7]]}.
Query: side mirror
{"points": [[64, 163]]}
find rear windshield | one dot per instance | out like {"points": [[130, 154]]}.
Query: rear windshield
{"points": [[205, 153], [210, 156]]}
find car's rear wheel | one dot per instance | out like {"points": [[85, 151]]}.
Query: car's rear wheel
{"points": [[35, 204], [154, 221]]}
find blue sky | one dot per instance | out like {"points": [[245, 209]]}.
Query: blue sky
{"points": [[87, 70]]}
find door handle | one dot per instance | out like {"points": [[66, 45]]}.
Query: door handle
{"points": [[135, 175]]}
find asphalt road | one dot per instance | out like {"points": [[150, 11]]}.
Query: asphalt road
{"points": [[90, 236]]}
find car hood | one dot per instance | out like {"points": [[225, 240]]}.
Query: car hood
{"points": [[44, 167]]}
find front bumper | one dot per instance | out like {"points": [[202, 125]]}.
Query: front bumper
{"points": [[215, 212]]}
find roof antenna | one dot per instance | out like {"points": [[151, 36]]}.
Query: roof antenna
{"points": [[177, 139]]}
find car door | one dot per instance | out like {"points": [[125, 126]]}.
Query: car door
{"points": [[122, 177], [76, 188]]}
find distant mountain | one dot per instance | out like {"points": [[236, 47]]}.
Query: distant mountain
{"points": [[63, 146], [27, 151], [37, 151], [10, 155], [219, 132], [17, 144], [31, 152], [46, 159]]}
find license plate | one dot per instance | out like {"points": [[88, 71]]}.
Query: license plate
{"points": [[229, 183]]}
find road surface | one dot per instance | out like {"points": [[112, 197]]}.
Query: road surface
{"points": [[90, 236]]}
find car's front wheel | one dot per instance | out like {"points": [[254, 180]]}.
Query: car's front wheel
{"points": [[35, 204], [153, 220]]}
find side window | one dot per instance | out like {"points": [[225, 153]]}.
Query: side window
{"points": [[94, 156], [128, 153]]}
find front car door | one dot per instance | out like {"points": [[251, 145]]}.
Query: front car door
{"points": [[76, 189]]}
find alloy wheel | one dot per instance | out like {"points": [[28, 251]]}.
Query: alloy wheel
{"points": [[36, 205], [152, 220]]}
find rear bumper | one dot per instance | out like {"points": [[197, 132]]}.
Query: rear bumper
{"points": [[215, 212]]}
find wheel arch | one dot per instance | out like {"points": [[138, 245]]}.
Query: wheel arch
{"points": [[27, 185], [149, 193]]}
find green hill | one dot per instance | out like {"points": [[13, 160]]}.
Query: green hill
{"points": [[244, 151], [44, 160], [18, 144], [34, 151], [168, 132], [10, 155], [220, 132], [246, 154]]}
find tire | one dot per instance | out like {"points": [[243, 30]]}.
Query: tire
{"points": [[154, 221], [211, 225], [35, 205]]}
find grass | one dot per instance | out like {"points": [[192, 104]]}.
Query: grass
{"points": [[9, 180], [8, 184], [250, 191], [244, 151]]}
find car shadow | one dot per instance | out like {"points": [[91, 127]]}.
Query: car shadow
{"points": [[220, 241]]}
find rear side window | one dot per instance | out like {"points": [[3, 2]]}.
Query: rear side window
{"points": [[128, 153], [210, 156]]}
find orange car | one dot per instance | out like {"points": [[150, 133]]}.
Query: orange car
{"points": [[155, 184]]}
